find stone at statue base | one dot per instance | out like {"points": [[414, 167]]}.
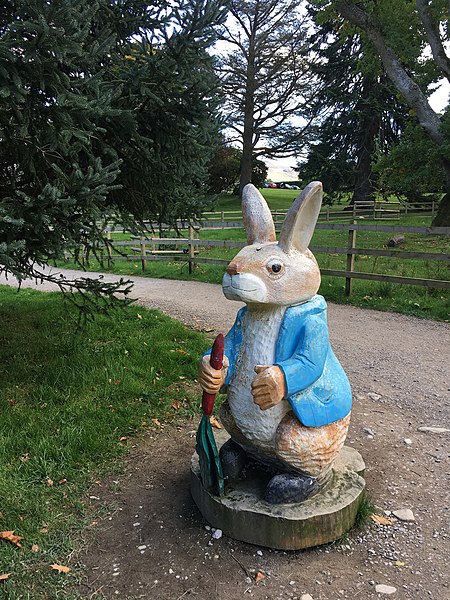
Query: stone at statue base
{"points": [[243, 514]]}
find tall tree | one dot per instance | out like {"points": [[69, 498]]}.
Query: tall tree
{"points": [[396, 29], [81, 116], [265, 78], [359, 112]]}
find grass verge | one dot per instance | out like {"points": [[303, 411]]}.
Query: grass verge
{"points": [[69, 402]]}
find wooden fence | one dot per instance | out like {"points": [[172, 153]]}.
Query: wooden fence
{"points": [[187, 249], [379, 210]]}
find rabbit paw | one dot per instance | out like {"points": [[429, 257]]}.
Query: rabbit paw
{"points": [[290, 488], [233, 459]]}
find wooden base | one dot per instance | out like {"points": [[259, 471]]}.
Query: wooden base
{"points": [[243, 514]]}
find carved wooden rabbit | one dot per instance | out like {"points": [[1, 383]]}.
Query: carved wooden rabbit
{"points": [[288, 398]]}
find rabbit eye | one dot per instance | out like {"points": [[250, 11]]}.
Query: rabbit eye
{"points": [[274, 267]]}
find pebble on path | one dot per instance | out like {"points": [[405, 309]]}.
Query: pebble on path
{"points": [[385, 589], [404, 514], [426, 429]]}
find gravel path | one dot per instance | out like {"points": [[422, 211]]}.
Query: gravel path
{"points": [[404, 359]]}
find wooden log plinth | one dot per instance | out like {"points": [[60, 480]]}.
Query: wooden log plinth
{"points": [[243, 514]]}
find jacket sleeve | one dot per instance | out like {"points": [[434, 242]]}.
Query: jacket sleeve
{"points": [[306, 365]]}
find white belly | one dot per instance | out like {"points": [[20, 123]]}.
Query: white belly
{"points": [[260, 331]]}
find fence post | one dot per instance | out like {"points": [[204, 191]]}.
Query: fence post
{"points": [[351, 245], [432, 208], [328, 214], [108, 247], [192, 249], [223, 219], [143, 254]]}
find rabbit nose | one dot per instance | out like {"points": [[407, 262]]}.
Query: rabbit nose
{"points": [[233, 268]]}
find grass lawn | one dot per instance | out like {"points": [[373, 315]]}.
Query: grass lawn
{"points": [[70, 401]]}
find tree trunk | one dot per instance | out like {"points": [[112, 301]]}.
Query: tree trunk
{"points": [[364, 190], [442, 218]]}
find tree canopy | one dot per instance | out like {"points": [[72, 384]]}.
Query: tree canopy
{"points": [[107, 110], [265, 78], [359, 113], [400, 32]]}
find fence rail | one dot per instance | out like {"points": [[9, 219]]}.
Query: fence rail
{"points": [[187, 250]]}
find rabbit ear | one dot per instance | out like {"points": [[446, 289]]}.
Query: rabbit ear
{"points": [[300, 221], [258, 220]]}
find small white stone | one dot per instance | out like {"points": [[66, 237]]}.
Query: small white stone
{"points": [[306, 597], [408, 441], [259, 553], [292, 583], [374, 396], [136, 524], [217, 534], [171, 571], [208, 528], [369, 431], [404, 514], [143, 547], [116, 573], [385, 589], [426, 429]]}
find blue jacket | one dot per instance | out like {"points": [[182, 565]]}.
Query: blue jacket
{"points": [[317, 387]]}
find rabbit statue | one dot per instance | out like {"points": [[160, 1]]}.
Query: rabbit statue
{"points": [[288, 398]]}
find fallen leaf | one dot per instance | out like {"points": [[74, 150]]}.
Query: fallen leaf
{"points": [[382, 520], [4, 576], [117, 382], [259, 576], [176, 405], [156, 422], [35, 548], [1, 515], [123, 439], [62, 481], [11, 402], [25, 457], [399, 563], [60, 568], [181, 351], [49, 482], [214, 422], [10, 537], [44, 530], [138, 316]]}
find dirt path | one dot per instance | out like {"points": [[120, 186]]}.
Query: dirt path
{"points": [[155, 545]]}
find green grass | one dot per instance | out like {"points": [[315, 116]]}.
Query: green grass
{"points": [[67, 396], [276, 199]]}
